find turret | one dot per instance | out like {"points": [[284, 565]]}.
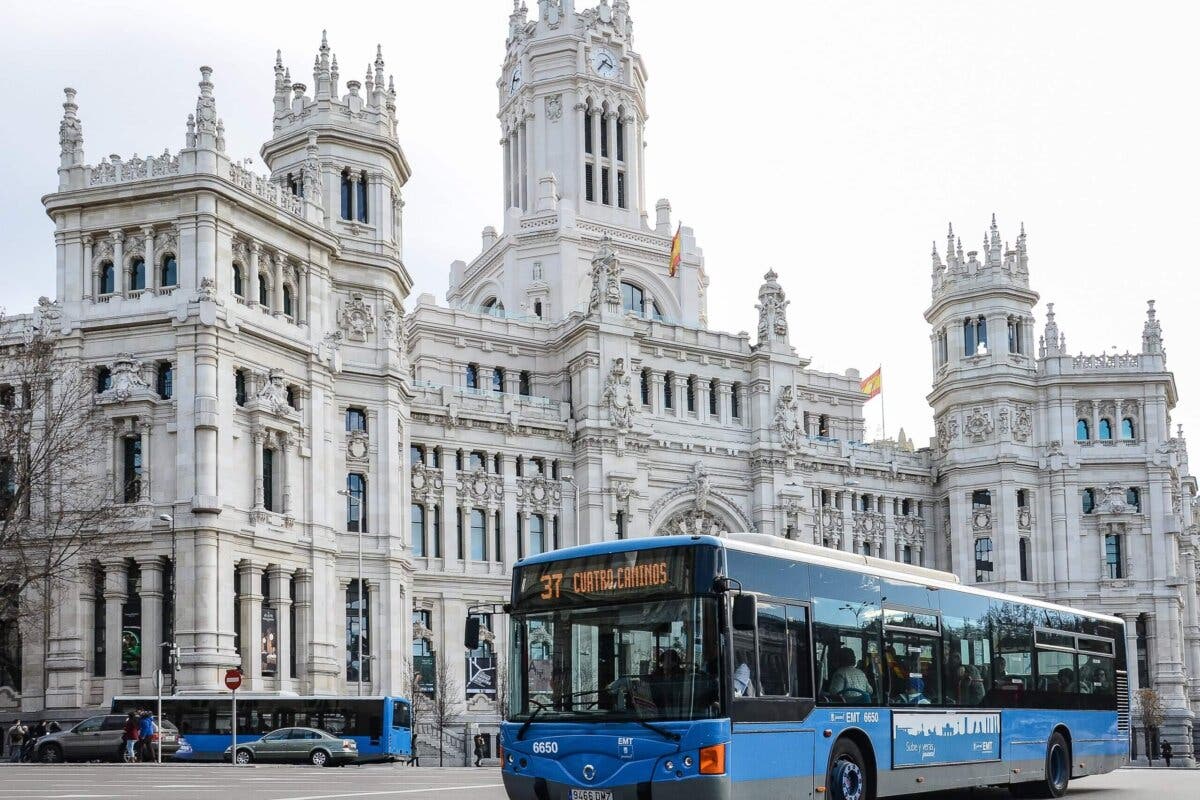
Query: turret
{"points": [[70, 140]]}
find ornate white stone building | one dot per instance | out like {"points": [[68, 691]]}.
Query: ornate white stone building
{"points": [[268, 392]]}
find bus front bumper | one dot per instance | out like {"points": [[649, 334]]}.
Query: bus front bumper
{"points": [[526, 787]]}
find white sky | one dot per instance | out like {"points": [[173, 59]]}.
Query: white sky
{"points": [[830, 141]]}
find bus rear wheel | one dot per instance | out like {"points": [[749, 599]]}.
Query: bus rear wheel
{"points": [[848, 776], [1058, 771]]}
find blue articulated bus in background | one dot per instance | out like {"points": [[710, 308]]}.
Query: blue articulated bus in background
{"points": [[381, 726], [749, 667]]}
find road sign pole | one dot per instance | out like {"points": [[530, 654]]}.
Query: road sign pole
{"points": [[233, 727], [158, 721]]}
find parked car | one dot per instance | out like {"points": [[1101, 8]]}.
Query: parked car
{"points": [[98, 739], [316, 747]]}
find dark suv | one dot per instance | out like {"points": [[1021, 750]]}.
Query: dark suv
{"points": [[97, 739]]}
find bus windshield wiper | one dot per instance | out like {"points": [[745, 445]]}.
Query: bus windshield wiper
{"points": [[670, 735], [525, 728]]}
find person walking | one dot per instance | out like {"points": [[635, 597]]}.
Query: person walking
{"points": [[15, 738], [414, 760], [129, 736], [31, 737], [1165, 748], [479, 749], [147, 728]]}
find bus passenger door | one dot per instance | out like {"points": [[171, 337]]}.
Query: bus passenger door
{"points": [[400, 733]]}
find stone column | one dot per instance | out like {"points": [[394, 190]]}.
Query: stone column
{"points": [[277, 281], [250, 583], [258, 438], [489, 535], [118, 240], [151, 589], [371, 655], [633, 198], [301, 310], [508, 169], [281, 603], [91, 274], [155, 274], [611, 121], [1131, 663], [725, 400], [523, 531], [681, 395], [520, 189], [144, 478], [465, 545], [255, 253], [354, 178], [304, 620], [581, 122], [656, 392], [597, 195], [287, 445], [116, 575]]}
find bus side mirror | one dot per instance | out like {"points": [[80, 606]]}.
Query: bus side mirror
{"points": [[471, 639], [745, 612]]}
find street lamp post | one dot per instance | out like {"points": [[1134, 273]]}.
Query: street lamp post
{"points": [[358, 593], [168, 518], [574, 504]]}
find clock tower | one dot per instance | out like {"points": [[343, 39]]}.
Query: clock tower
{"points": [[572, 110]]}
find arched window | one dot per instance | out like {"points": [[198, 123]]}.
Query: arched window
{"points": [[362, 197], [712, 397], [669, 390], [356, 503], [168, 271], [498, 380], [137, 274], [293, 397], [823, 426], [472, 376], [1104, 429], [983, 559], [1089, 500], [969, 341], [645, 387], [691, 394], [264, 290], [108, 278], [103, 379], [632, 298], [1133, 498], [287, 301], [1023, 547], [620, 136], [1128, 430], [494, 307], [735, 400], [239, 387], [525, 385], [165, 380], [478, 535], [1083, 431], [537, 534], [346, 189], [356, 419], [239, 287], [418, 530]]}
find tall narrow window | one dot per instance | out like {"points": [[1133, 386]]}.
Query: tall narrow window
{"points": [[969, 337], [498, 544], [472, 376], [632, 298], [10, 640], [589, 179], [356, 503], [981, 498], [1022, 498], [620, 139], [264, 290], [621, 534], [1133, 498], [1112, 557], [1024, 557], [478, 535], [735, 400], [1127, 429], [981, 332], [983, 559], [525, 385], [239, 287], [712, 397], [436, 538], [356, 420], [358, 627], [604, 192], [691, 394], [498, 380], [137, 274], [287, 301], [131, 626], [1014, 335], [669, 390], [603, 139], [99, 626], [363, 216], [645, 387], [1083, 431], [823, 429], [132, 446], [165, 380], [906, 554], [239, 387], [1104, 430], [1089, 500], [621, 189], [537, 534], [347, 187], [268, 457], [108, 278], [418, 530], [587, 132], [169, 271]]}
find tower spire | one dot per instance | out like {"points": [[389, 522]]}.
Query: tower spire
{"points": [[70, 132], [206, 113], [1152, 331]]}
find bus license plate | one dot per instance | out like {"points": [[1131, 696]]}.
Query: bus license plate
{"points": [[591, 794]]}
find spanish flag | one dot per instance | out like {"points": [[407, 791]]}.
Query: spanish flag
{"points": [[676, 250], [873, 385]]}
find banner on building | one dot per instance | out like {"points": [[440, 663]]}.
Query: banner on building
{"points": [[481, 675]]}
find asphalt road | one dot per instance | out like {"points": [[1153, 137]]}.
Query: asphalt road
{"points": [[178, 782]]}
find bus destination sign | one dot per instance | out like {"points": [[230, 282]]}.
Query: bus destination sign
{"points": [[607, 578]]}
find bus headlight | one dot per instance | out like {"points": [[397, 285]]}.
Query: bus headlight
{"points": [[712, 760]]}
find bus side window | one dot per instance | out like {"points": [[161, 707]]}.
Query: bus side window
{"points": [[773, 650], [745, 664], [800, 660]]}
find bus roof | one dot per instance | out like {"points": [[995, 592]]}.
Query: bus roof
{"points": [[813, 554]]}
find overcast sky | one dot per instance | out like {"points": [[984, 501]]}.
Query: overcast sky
{"points": [[829, 141]]}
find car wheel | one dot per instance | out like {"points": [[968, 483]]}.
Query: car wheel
{"points": [[848, 776], [50, 754], [319, 758], [244, 757]]}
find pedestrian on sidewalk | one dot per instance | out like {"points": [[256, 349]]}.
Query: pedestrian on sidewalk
{"points": [[147, 730], [414, 760], [480, 743], [31, 737], [129, 737], [1166, 752], [15, 737]]}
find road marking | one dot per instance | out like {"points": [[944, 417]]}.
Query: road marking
{"points": [[395, 791]]}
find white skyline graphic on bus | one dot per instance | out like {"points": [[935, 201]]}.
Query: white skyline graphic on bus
{"points": [[950, 725]]}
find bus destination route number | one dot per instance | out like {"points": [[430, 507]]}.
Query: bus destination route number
{"points": [[599, 578]]}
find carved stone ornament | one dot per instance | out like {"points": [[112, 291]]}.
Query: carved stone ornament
{"points": [[618, 396], [538, 494], [1024, 518], [393, 324], [272, 395], [480, 487], [772, 310], [358, 446], [1022, 428], [207, 293], [427, 483], [868, 523], [947, 432], [127, 382], [981, 520], [606, 279], [356, 319], [979, 424], [48, 313], [554, 109], [696, 518], [788, 421], [1114, 501]]}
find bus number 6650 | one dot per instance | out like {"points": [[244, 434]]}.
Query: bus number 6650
{"points": [[545, 748]]}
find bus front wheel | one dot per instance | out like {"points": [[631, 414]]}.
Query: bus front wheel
{"points": [[848, 776], [1058, 771]]}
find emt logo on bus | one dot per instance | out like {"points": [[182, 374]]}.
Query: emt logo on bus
{"points": [[635, 573]]}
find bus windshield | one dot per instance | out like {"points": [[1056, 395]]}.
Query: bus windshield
{"points": [[656, 660]]}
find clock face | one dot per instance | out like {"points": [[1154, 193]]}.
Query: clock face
{"points": [[514, 81], [605, 63]]}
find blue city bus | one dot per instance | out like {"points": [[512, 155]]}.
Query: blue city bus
{"points": [[748, 666], [381, 726]]}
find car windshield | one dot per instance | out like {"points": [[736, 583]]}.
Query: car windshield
{"points": [[635, 661]]}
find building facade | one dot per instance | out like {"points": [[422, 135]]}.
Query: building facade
{"points": [[314, 438]]}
